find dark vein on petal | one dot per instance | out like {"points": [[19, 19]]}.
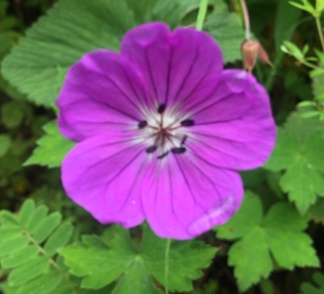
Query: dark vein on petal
{"points": [[184, 81], [133, 185], [114, 108], [195, 87], [118, 174], [111, 155], [130, 82], [188, 184], [168, 77], [150, 74], [123, 93]]}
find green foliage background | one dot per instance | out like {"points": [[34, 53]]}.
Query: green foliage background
{"points": [[274, 244]]}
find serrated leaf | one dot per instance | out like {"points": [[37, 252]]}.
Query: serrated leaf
{"points": [[101, 264], [52, 147], [226, 29], [37, 65], [299, 152], [316, 211], [277, 235], [308, 288]]}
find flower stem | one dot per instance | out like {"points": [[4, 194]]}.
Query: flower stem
{"points": [[246, 20], [166, 266], [201, 14], [320, 31]]}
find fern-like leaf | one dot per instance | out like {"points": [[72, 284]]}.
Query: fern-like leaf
{"points": [[28, 246]]}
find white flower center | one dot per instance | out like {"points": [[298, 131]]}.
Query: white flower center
{"points": [[165, 132]]}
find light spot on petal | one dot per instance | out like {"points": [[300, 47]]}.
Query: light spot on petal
{"points": [[237, 82], [213, 217]]}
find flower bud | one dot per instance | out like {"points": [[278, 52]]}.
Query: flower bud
{"points": [[251, 50]]}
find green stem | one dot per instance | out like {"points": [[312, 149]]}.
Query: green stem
{"points": [[320, 31], [246, 20], [201, 14], [166, 266]]}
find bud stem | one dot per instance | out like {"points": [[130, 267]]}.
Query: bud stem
{"points": [[246, 20]]}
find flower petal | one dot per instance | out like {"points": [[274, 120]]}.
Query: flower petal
{"points": [[102, 92], [103, 175], [180, 67], [235, 129], [185, 196]]}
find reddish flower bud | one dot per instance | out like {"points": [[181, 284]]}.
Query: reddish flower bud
{"points": [[251, 50]]}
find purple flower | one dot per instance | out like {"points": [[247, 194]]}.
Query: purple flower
{"points": [[162, 129]]}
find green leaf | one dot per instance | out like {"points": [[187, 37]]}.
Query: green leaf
{"points": [[226, 28], [285, 20], [299, 152], [277, 236], [101, 263], [307, 288], [52, 147], [38, 64], [28, 271], [11, 114], [32, 267], [316, 211], [5, 142]]}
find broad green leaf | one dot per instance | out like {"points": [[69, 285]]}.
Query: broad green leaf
{"points": [[285, 20], [101, 263], [226, 28], [316, 211], [185, 264], [299, 152], [73, 27], [277, 236], [52, 147], [307, 288]]}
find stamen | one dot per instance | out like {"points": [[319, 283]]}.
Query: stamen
{"points": [[161, 108], [184, 139], [187, 123], [151, 149], [163, 155], [142, 124], [178, 150]]}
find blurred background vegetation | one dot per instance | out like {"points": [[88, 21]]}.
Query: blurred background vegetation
{"points": [[21, 124]]}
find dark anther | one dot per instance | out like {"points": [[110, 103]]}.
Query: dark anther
{"points": [[161, 108], [184, 139], [151, 149], [142, 124], [187, 123], [178, 150], [163, 155]]}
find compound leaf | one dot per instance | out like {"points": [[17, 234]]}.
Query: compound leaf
{"points": [[277, 236]]}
